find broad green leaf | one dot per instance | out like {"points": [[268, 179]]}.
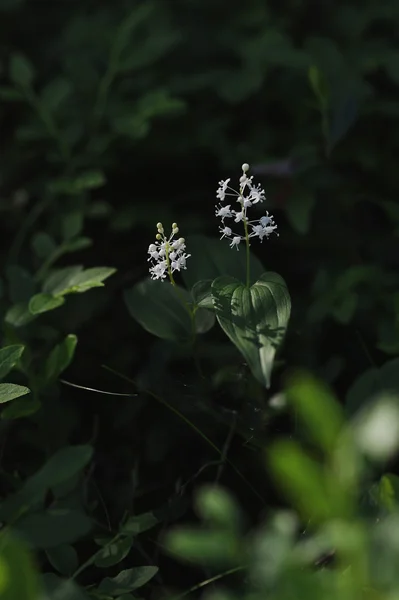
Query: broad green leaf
{"points": [[114, 553], [72, 186], [207, 547], [72, 280], [387, 492], [61, 467], [204, 320], [19, 315], [60, 280], [216, 506], [79, 243], [41, 303], [312, 491], [159, 308], [211, 258], [127, 580], [10, 391], [55, 93], [9, 356], [255, 318], [316, 407], [54, 527], [21, 70], [60, 358], [72, 224], [19, 578], [139, 523], [202, 294], [64, 559], [43, 245], [21, 407]]}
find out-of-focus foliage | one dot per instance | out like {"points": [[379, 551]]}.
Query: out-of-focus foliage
{"points": [[116, 115]]}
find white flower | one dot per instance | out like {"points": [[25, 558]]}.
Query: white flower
{"points": [[221, 191], [158, 271], [223, 211], [257, 194], [247, 195], [235, 241], [226, 231], [265, 221], [167, 255], [153, 252], [179, 262]]}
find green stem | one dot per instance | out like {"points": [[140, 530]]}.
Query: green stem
{"points": [[248, 256], [198, 586]]}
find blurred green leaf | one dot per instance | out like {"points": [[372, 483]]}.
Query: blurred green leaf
{"points": [[114, 553], [74, 280], [18, 575], [158, 307], [55, 93], [62, 589], [72, 224], [61, 467], [202, 294], [127, 580], [139, 523], [10, 94], [319, 86], [63, 558], [9, 356], [207, 547], [255, 318], [312, 490], [21, 407], [21, 70], [60, 358], [72, 186], [54, 527], [217, 506], [43, 244], [10, 391], [317, 408], [41, 303]]}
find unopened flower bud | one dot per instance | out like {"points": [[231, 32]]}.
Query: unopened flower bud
{"points": [[245, 167], [158, 236], [174, 225]]}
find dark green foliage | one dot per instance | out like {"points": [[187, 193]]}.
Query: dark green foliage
{"points": [[116, 115]]}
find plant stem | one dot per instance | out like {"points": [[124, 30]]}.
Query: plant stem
{"points": [[208, 581], [247, 244]]}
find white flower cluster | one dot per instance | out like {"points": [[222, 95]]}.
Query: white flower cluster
{"points": [[248, 195], [167, 255]]}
